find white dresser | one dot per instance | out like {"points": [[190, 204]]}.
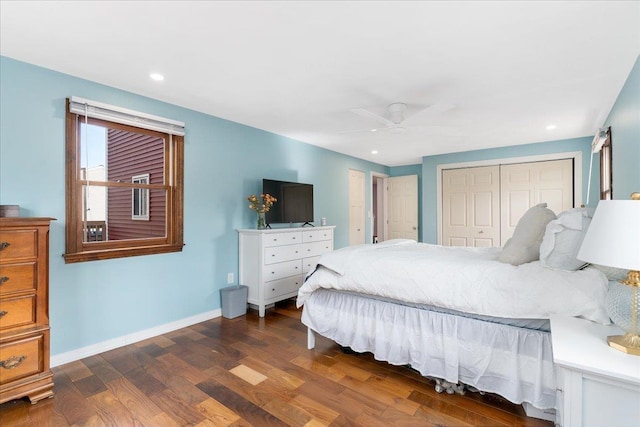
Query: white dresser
{"points": [[273, 262], [598, 385]]}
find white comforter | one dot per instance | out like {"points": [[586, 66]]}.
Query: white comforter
{"points": [[463, 279]]}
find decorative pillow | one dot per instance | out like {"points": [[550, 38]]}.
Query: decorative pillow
{"points": [[524, 246], [563, 238], [612, 273]]}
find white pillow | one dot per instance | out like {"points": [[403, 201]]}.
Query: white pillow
{"points": [[524, 246], [563, 238]]}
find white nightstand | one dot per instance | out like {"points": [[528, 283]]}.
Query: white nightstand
{"points": [[599, 386]]}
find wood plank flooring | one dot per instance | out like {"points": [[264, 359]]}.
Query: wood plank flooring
{"points": [[250, 371]]}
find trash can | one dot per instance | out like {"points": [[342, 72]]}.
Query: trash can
{"points": [[234, 301]]}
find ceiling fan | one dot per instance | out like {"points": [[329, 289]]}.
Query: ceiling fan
{"points": [[395, 121]]}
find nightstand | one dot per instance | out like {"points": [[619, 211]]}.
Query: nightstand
{"points": [[598, 385]]}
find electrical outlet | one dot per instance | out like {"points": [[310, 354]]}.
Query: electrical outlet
{"points": [[230, 278]]}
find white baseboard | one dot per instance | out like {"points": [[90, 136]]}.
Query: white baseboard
{"points": [[90, 350]]}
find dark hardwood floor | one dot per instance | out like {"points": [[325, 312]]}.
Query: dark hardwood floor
{"points": [[250, 372]]}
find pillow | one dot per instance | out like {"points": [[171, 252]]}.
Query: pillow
{"points": [[612, 273], [563, 238], [524, 246]]}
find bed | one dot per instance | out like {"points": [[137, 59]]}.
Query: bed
{"points": [[455, 314]]}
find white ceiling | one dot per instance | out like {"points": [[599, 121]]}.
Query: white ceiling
{"points": [[510, 68]]}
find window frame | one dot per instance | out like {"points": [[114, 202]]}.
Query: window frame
{"points": [[143, 198], [606, 168], [76, 249]]}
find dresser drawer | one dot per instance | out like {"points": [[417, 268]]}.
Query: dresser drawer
{"points": [[317, 235], [281, 270], [309, 264], [17, 277], [281, 287], [277, 239], [282, 253], [17, 311], [18, 244], [21, 358], [316, 248]]}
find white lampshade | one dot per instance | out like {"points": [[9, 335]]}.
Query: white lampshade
{"points": [[613, 237]]}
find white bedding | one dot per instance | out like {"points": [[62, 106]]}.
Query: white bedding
{"points": [[464, 279]]}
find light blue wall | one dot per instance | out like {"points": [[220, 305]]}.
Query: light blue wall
{"points": [[96, 301], [430, 163], [624, 120]]}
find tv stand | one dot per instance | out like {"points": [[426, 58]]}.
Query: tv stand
{"points": [[307, 223]]}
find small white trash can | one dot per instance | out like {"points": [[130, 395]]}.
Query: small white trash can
{"points": [[234, 301]]}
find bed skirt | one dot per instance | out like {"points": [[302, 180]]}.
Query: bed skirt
{"points": [[513, 362]]}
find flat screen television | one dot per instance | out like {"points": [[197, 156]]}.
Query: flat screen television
{"points": [[295, 202]]}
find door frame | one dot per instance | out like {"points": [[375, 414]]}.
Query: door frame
{"points": [[381, 208], [577, 175]]}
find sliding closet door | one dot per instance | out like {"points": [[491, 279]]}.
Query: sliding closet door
{"points": [[471, 206], [524, 185]]}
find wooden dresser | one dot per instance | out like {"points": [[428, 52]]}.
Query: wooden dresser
{"points": [[273, 263], [24, 309]]}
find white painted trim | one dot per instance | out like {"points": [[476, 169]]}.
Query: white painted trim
{"points": [[577, 175], [93, 349], [384, 204]]}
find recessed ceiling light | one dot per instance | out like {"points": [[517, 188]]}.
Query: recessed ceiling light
{"points": [[374, 130], [157, 77], [374, 151], [551, 127]]}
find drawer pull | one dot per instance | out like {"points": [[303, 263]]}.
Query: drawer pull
{"points": [[12, 362], [3, 313], [3, 279], [4, 245]]}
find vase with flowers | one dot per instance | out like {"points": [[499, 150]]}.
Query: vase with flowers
{"points": [[261, 204]]}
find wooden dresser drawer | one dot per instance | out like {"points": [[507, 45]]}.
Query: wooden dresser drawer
{"points": [[17, 277], [21, 358], [18, 244], [17, 312]]}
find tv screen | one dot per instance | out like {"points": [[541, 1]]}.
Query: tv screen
{"points": [[295, 201]]}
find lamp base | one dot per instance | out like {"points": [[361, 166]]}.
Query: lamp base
{"points": [[628, 343]]}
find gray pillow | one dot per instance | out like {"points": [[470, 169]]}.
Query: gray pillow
{"points": [[524, 246], [563, 238]]}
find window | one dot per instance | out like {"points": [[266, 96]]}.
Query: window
{"points": [[606, 173], [124, 182], [140, 198]]}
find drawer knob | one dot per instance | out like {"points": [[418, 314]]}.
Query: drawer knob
{"points": [[4, 245], [12, 362], [3, 279], [3, 313]]}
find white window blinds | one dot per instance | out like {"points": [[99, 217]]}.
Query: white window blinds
{"points": [[112, 113]]}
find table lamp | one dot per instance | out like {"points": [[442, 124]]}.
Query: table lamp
{"points": [[613, 240]]}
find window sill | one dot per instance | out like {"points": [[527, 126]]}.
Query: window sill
{"points": [[119, 253]]}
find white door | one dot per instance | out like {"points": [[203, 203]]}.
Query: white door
{"points": [[403, 207], [356, 207], [471, 206], [524, 185]]}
